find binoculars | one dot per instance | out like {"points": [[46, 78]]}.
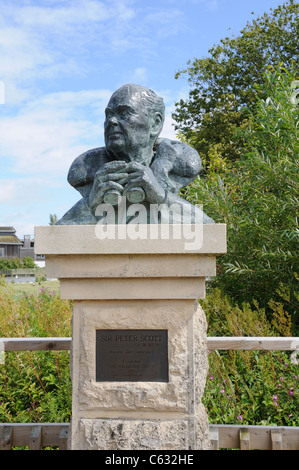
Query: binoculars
{"points": [[134, 195]]}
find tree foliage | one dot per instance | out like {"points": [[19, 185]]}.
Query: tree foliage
{"points": [[16, 263], [223, 84], [53, 219], [258, 200]]}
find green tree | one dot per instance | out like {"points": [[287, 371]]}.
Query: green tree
{"points": [[28, 262], [222, 84], [258, 200], [53, 219]]}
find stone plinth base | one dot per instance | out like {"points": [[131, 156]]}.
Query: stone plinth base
{"points": [[149, 407], [145, 434], [122, 287]]}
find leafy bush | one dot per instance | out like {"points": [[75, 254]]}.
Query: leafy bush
{"points": [[28, 262], [16, 263], [35, 386], [249, 387], [6, 263]]}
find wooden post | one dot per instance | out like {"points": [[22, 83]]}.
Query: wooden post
{"points": [[276, 440], [5, 438], [214, 438], [63, 439], [35, 439], [244, 439]]}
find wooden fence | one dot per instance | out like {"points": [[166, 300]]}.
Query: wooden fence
{"points": [[19, 272], [241, 437], [32, 435], [272, 343], [37, 436]]}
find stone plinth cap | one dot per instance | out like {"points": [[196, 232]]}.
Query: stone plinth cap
{"points": [[130, 239]]}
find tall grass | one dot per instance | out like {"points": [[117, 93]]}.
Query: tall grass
{"points": [[35, 386]]}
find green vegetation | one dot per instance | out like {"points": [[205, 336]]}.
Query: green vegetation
{"points": [[222, 85], [53, 219], [243, 117], [35, 386], [250, 387], [242, 387], [34, 288], [257, 197], [16, 263]]}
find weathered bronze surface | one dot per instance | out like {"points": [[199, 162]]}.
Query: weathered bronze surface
{"points": [[136, 167], [131, 356]]}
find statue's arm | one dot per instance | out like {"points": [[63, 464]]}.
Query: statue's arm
{"points": [[79, 214], [83, 169]]}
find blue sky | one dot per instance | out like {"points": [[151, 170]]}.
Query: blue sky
{"points": [[60, 61]]}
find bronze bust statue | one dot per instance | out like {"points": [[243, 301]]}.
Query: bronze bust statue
{"points": [[135, 166]]}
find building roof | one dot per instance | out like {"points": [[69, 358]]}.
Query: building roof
{"points": [[7, 229], [8, 236], [9, 240]]}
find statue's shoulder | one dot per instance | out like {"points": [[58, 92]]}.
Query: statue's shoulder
{"points": [[84, 167], [176, 164], [186, 159]]}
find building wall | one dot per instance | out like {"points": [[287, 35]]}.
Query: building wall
{"points": [[27, 252], [10, 251]]}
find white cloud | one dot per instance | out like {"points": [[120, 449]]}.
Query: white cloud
{"points": [[139, 76], [207, 4], [62, 15], [40, 41], [48, 133], [212, 5], [37, 147], [27, 201], [2, 92], [168, 131], [68, 105], [7, 190], [20, 52], [57, 45], [166, 22]]}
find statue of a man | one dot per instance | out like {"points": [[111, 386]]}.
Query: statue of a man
{"points": [[135, 165]]}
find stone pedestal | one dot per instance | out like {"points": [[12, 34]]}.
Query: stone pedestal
{"points": [[139, 353]]}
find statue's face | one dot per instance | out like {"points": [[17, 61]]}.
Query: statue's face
{"points": [[127, 125]]}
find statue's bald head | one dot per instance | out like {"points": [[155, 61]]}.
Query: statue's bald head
{"points": [[145, 98]]}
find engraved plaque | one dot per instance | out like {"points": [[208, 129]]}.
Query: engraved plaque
{"points": [[131, 356]]}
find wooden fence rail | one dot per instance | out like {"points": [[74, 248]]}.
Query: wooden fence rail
{"points": [[254, 343], [33, 435], [220, 343], [38, 435], [254, 437], [35, 344]]}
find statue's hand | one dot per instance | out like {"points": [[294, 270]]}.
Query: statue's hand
{"points": [[140, 176], [111, 176]]}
